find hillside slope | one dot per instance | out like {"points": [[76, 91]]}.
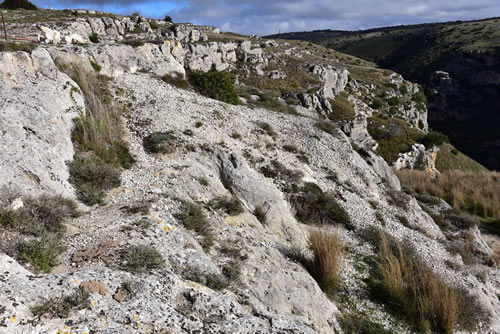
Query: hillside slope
{"points": [[464, 100], [271, 212]]}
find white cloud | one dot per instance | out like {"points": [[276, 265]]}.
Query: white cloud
{"points": [[268, 16]]}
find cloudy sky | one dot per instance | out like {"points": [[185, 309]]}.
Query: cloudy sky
{"points": [[263, 17]]}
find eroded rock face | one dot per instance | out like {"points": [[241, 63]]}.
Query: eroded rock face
{"points": [[418, 158], [39, 103]]}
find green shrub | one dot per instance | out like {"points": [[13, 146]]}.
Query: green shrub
{"points": [[138, 259], [61, 307], [154, 25], [96, 66], [232, 206], [403, 89], [214, 84], [18, 4], [168, 19], [193, 218], [13, 47], [41, 254], [177, 81], [278, 171], [393, 135], [313, 206], [92, 177], [377, 103], [361, 324], [160, 142], [94, 37], [434, 138], [133, 42], [393, 101]]}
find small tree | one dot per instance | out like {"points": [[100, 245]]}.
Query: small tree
{"points": [[168, 18]]}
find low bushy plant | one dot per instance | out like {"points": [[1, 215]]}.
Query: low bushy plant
{"points": [[141, 258], [160, 142], [92, 177], [231, 205], [214, 84], [61, 307], [313, 206], [193, 218], [41, 254]]}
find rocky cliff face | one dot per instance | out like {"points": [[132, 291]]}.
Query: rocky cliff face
{"points": [[217, 150]]}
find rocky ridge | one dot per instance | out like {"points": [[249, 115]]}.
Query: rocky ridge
{"points": [[273, 293]]}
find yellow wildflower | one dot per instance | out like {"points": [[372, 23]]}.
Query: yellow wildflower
{"points": [[13, 319]]}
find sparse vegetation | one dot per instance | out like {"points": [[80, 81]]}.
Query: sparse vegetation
{"points": [[61, 307], [230, 205], [160, 142], [327, 126], [361, 324], [41, 254], [277, 170], [176, 81], [97, 136], [474, 192], [193, 218], [448, 158], [342, 108], [214, 84], [132, 42], [267, 128], [313, 206], [17, 46], [141, 258], [324, 266], [94, 38], [92, 177], [425, 298]]}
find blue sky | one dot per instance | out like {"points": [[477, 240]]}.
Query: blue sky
{"points": [[263, 17]]}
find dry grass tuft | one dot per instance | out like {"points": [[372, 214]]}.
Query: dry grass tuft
{"points": [[477, 193], [327, 257], [413, 287]]}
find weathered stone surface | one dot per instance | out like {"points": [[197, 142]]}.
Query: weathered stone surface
{"points": [[39, 103]]}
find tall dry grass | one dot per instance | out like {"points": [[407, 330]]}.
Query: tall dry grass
{"points": [[327, 251], [477, 193], [99, 129], [413, 287]]}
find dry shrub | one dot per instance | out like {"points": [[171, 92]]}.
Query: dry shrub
{"points": [[414, 288], [477, 193], [327, 252]]}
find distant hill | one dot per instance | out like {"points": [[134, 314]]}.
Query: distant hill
{"points": [[465, 106], [18, 4]]}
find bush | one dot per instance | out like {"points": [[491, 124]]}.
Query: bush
{"points": [[413, 288], [92, 177], [39, 215], [214, 84], [96, 66], [313, 206], [232, 206], [61, 307], [376, 103], [193, 218], [41, 254], [94, 37], [168, 19], [393, 135], [138, 259], [160, 142], [133, 42], [267, 128], [177, 81], [361, 324], [13, 46], [18, 4], [434, 138]]}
